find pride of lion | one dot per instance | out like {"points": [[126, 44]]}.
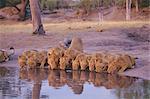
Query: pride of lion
{"points": [[73, 57]]}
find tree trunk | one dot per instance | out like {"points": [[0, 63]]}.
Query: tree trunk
{"points": [[23, 7], [136, 5], [36, 17], [128, 9]]}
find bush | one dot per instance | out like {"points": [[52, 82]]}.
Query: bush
{"points": [[48, 4], [14, 2], [121, 3], [144, 3], [4, 3], [53, 4]]}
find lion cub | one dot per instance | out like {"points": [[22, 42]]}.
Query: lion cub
{"points": [[41, 58], [22, 59], [121, 63], [75, 64], [64, 62], [54, 55], [33, 58], [93, 60]]}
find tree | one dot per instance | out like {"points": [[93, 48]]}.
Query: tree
{"points": [[136, 5], [36, 17], [23, 7], [128, 9]]}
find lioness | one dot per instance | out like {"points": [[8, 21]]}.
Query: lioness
{"points": [[64, 62], [37, 59], [76, 44], [24, 57], [54, 55], [32, 59], [121, 63]]}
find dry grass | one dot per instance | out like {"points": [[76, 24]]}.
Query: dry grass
{"points": [[66, 27]]}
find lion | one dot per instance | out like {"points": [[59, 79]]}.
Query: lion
{"points": [[76, 44], [22, 61], [83, 61], [107, 57], [91, 64], [92, 60], [75, 48], [54, 55], [121, 64], [53, 61], [32, 62], [41, 58], [32, 59], [130, 60], [75, 64], [103, 59], [71, 54], [29, 53], [100, 66], [64, 62], [6, 54], [57, 51]]}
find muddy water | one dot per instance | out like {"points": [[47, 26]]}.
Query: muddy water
{"points": [[45, 84]]}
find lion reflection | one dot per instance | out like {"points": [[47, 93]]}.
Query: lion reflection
{"points": [[76, 79]]}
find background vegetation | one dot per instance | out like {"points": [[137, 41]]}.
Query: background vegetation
{"points": [[87, 5]]}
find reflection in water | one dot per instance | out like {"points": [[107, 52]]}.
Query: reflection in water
{"points": [[32, 83], [3, 71], [75, 80]]}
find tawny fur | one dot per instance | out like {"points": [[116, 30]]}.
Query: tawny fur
{"points": [[22, 61], [91, 64], [100, 66], [32, 59], [31, 62], [64, 62], [28, 59], [41, 58], [95, 58], [54, 55], [53, 61], [75, 64], [76, 44], [121, 64], [71, 54], [83, 60], [56, 50], [29, 53]]}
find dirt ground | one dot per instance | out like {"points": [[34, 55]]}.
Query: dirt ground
{"points": [[116, 37]]}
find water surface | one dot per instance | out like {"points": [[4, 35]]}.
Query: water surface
{"points": [[55, 84]]}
